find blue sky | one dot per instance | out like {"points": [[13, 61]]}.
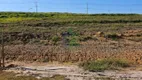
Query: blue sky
{"points": [[74, 6]]}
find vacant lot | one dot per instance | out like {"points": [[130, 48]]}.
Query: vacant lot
{"points": [[98, 42], [65, 37]]}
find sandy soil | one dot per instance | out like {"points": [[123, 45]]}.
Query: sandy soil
{"points": [[71, 71]]}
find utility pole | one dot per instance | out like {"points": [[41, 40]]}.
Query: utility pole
{"points": [[87, 8], [36, 6], [108, 11], [131, 16], [30, 9], [130, 11], [2, 56]]}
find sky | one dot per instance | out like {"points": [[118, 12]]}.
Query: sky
{"points": [[73, 6]]}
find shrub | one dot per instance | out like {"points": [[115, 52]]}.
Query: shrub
{"points": [[139, 35], [72, 38], [3, 16], [85, 38], [55, 39], [113, 36], [33, 41], [104, 64], [71, 32], [73, 41]]}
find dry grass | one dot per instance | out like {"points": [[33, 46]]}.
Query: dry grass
{"points": [[105, 64], [90, 47], [91, 50], [12, 76]]}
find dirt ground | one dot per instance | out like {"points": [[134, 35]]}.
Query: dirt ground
{"points": [[129, 48], [91, 50], [72, 72]]}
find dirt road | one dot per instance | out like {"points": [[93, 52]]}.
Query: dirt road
{"points": [[71, 71]]}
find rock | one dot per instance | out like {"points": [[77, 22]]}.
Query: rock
{"points": [[11, 66], [38, 77], [19, 75], [100, 34], [119, 35]]}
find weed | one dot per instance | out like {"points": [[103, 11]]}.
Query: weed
{"points": [[73, 41], [104, 64], [12, 76], [86, 38], [55, 39], [113, 36]]}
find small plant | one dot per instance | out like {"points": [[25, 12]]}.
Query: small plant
{"points": [[72, 32], [104, 64], [113, 36], [55, 39], [86, 38], [139, 35], [71, 38], [73, 41], [33, 41]]}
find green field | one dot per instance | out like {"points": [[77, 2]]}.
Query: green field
{"points": [[52, 22]]}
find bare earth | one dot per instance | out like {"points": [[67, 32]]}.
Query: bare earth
{"points": [[72, 71]]}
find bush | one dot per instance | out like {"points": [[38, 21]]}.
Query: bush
{"points": [[33, 41], [3, 16], [73, 41], [104, 64], [113, 36], [55, 39], [85, 38]]}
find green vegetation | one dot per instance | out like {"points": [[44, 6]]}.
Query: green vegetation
{"points": [[104, 64], [113, 36], [47, 22], [72, 38], [14, 19], [73, 41], [81, 34], [81, 27], [86, 38], [55, 39]]}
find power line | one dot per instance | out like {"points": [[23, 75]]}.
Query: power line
{"points": [[36, 6], [87, 7], [80, 4]]}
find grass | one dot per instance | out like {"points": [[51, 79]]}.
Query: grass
{"points": [[48, 22], [11, 76], [15, 19], [82, 29], [105, 64], [55, 39], [113, 36]]}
